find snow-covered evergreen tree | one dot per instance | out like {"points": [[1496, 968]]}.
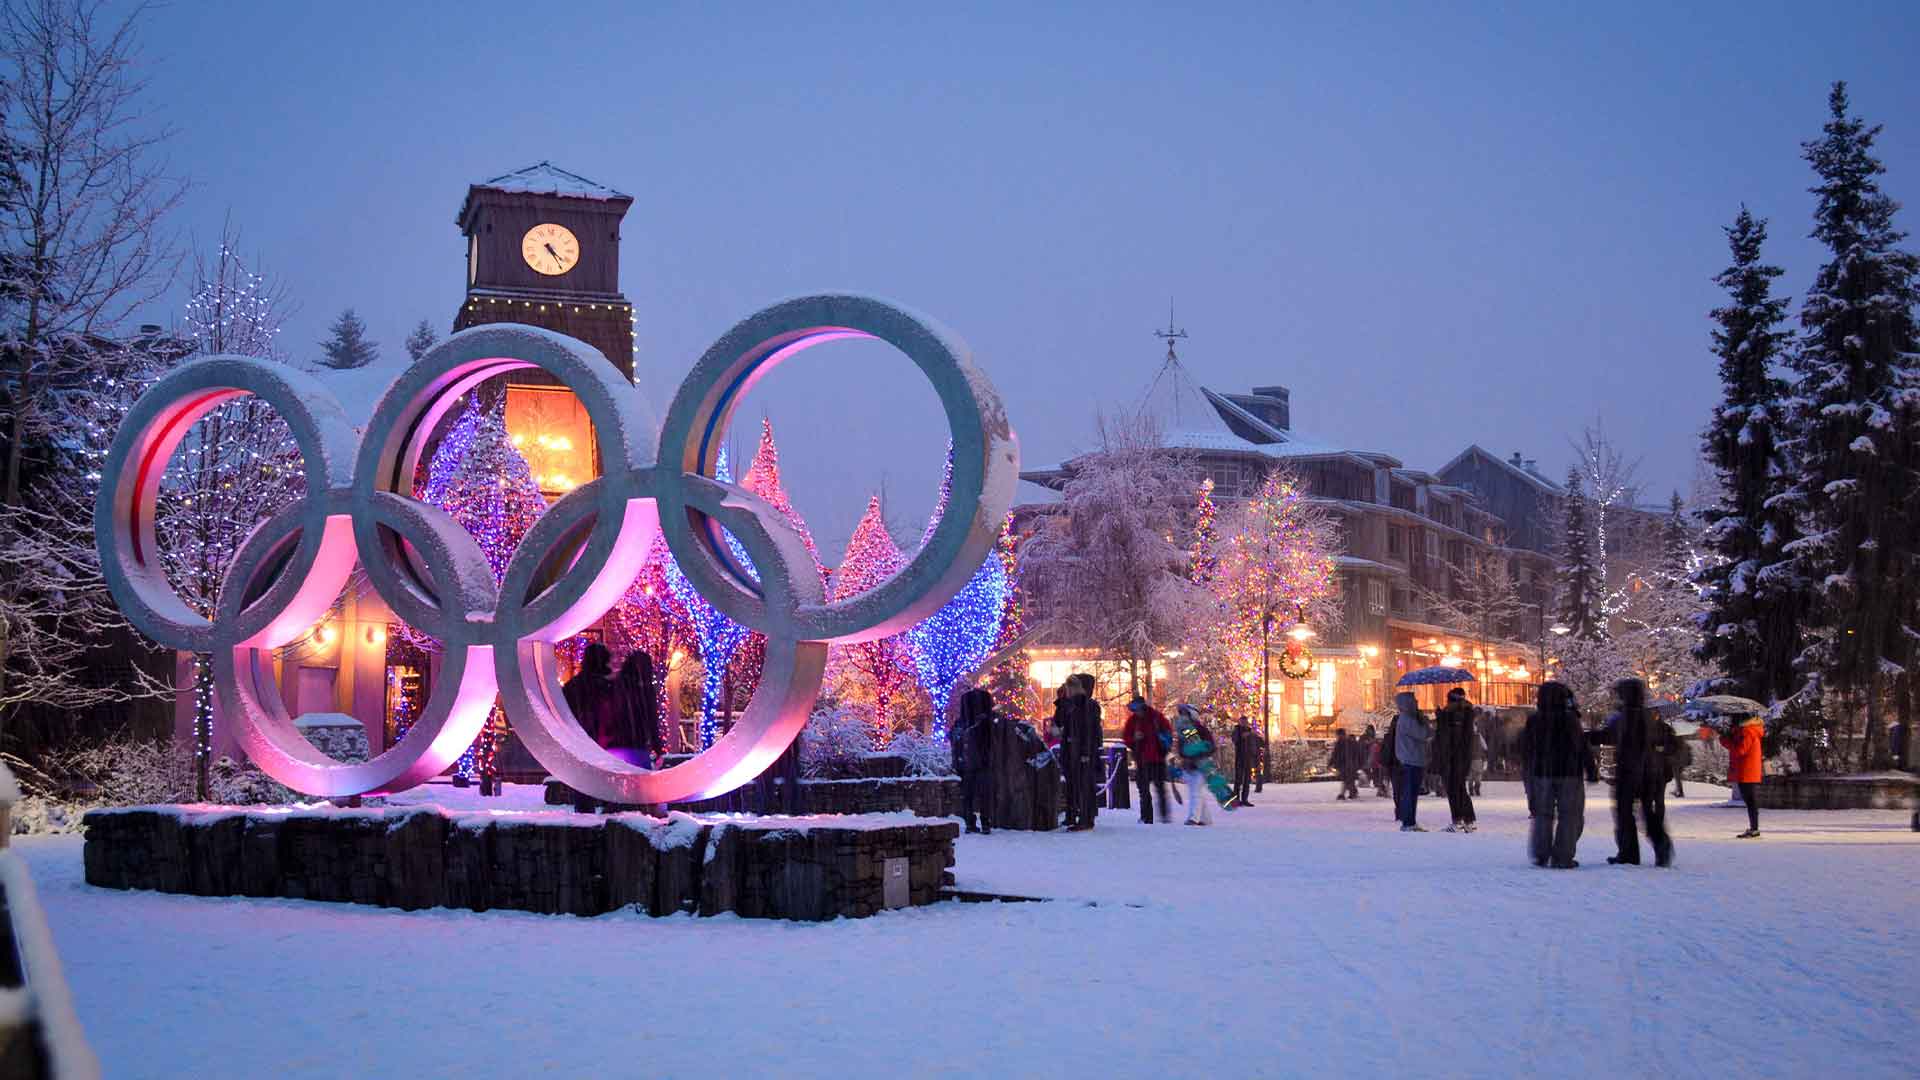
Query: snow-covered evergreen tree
{"points": [[1579, 579], [347, 345], [1755, 597], [1659, 629], [422, 338], [1109, 558], [1855, 408]]}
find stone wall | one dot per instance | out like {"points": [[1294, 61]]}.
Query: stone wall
{"points": [[1885, 791], [791, 868]]}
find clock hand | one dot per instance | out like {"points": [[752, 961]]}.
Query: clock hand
{"points": [[555, 254]]}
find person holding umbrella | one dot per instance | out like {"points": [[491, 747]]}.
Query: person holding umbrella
{"points": [[1744, 768]]}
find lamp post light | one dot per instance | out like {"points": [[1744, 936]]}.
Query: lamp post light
{"points": [[1266, 694]]}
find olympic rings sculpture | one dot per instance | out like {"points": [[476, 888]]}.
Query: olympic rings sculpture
{"points": [[573, 565]]}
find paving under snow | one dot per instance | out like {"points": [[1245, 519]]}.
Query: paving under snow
{"points": [[1300, 936]]}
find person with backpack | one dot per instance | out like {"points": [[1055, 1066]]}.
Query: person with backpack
{"points": [[1195, 745], [1411, 735], [1148, 737], [1641, 742]]}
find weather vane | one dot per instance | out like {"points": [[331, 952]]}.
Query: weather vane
{"points": [[1171, 333]]}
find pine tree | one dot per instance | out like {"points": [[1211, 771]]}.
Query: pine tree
{"points": [[347, 345], [1854, 424], [1579, 584], [873, 670], [953, 642], [1755, 597], [420, 340]]}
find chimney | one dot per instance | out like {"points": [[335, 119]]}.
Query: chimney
{"points": [[150, 329], [1515, 461], [1530, 465]]}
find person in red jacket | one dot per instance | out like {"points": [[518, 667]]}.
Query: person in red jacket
{"points": [[1743, 768], [1147, 735]]}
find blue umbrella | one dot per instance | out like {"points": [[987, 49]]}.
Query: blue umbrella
{"points": [[1435, 676]]}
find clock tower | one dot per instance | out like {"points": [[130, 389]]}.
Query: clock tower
{"points": [[543, 248]]}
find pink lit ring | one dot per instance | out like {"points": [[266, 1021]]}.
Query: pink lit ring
{"points": [[434, 576], [243, 671]]}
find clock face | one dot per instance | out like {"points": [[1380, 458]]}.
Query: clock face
{"points": [[550, 249]]}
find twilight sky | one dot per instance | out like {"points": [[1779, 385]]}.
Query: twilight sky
{"points": [[1484, 224]]}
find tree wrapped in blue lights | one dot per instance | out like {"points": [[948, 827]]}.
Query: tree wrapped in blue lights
{"points": [[719, 636], [952, 643]]}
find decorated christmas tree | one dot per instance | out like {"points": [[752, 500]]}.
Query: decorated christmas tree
{"points": [[875, 672], [1223, 659], [1276, 576], [478, 477]]}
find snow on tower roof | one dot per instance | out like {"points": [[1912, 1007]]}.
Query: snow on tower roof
{"points": [[546, 178]]}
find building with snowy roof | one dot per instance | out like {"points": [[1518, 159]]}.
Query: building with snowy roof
{"points": [[1438, 567]]}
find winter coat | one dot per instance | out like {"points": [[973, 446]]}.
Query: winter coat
{"points": [[1348, 756], [1387, 759], [1641, 742], [974, 734], [1412, 733], [1743, 754], [1194, 761], [1554, 747], [1077, 724], [1246, 742], [1453, 739], [1898, 744], [1143, 734], [599, 704]]}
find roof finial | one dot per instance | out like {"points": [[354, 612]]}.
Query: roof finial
{"points": [[1171, 333]]}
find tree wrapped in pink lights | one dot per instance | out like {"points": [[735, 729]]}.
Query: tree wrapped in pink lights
{"points": [[1277, 569], [879, 672]]}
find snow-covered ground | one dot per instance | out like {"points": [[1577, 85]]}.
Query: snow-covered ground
{"points": [[1298, 937]]}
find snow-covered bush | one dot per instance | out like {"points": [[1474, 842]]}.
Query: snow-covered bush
{"points": [[834, 741], [128, 772], [925, 755]]}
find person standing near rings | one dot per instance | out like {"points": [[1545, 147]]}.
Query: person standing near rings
{"points": [[1411, 735], [1744, 768]]}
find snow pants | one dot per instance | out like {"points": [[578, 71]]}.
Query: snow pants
{"points": [[1408, 804], [1152, 774], [1651, 794], [1560, 816], [1199, 799], [1459, 803], [1750, 794], [976, 792]]}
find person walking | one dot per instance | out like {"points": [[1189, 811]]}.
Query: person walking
{"points": [[1744, 768], [1370, 759], [973, 737], [642, 696], [1453, 751], [1148, 737], [1678, 758], [1196, 747], [1558, 762], [1246, 753], [1345, 761], [1077, 724], [1411, 735], [1640, 740]]}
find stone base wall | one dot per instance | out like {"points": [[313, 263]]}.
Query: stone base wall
{"points": [[791, 868], [929, 796], [1840, 793]]}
